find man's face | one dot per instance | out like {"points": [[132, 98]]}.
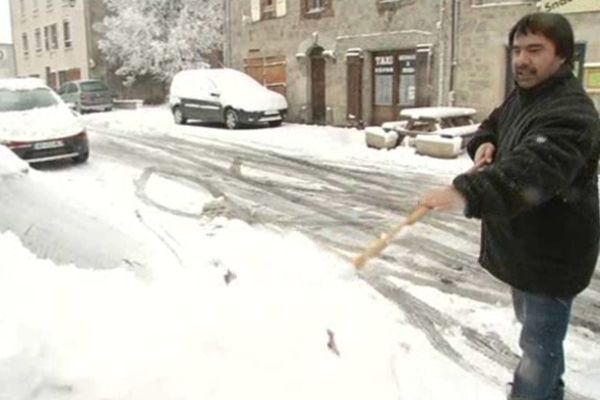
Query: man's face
{"points": [[534, 59]]}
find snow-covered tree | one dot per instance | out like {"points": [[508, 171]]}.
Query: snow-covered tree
{"points": [[160, 37]]}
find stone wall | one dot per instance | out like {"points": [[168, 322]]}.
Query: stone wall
{"points": [[483, 49], [358, 24]]}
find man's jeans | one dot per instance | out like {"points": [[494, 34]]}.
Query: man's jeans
{"points": [[545, 320]]}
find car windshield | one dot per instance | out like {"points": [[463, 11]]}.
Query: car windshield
{"points": [[22, 100], [93, 86]]}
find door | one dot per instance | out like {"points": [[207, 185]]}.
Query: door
{"points": [[202, 101], [383, 88], [317, 92], [395, 84], [354, 89]]}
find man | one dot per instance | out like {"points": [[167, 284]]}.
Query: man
{"points": [[537, 196]]}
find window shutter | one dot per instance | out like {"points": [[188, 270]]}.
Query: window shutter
{"points": [[255, 10], [281, 8]]}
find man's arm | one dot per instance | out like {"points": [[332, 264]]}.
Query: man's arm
{"points": [[544, 165]]}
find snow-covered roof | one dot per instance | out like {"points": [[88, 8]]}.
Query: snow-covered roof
{"points": [[22, 83], [437, 112]]}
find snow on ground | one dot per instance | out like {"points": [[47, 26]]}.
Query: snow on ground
{"points": [[338, 145], [246, 313]]}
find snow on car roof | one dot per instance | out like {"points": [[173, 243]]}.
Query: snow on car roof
{"points": [[437, 112], [212, 72], [22, 83]]}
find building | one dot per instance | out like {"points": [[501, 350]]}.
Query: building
{"points": [[483, 59], [7, 61], [340, 62], [343, 63], [55, 39]]}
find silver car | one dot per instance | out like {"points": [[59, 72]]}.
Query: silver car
{"points": [[87, 95]]}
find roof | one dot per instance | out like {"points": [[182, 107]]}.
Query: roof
{"points": [[22, 83], [437, 112]]}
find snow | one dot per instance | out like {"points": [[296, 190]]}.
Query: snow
{"points": [[246, 312], [10, 164], [161, 37], [22, 84], [437, 112], [39, 124]]}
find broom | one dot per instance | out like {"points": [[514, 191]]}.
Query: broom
{"points": [[386, 238]]}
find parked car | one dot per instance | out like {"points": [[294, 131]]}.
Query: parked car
{"points": [[37, 125], [226, 96], [437, 131], [87, 95]]}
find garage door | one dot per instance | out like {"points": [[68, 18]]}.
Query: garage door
{"points": [[269, 71]]}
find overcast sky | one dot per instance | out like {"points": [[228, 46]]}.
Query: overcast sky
{"points": [[5, 33]]}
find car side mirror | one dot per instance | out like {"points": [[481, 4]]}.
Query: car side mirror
{"points": [[215, 94]]}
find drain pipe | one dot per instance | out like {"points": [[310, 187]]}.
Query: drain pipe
{"points": [[442, 52], [453, 52]]}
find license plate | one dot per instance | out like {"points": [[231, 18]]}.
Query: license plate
{"points": [[48, 145], [272, 113]]}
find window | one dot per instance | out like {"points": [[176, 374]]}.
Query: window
{"points": [[392, 5], [315, 5], [267, 9], [38, 39], [384, 80], [54, 36], [47, 38], [317, 8], [67, 33], [408, 83], [25, 43]]}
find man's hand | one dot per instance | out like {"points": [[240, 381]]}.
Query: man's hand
{"points": [[485, 153], [444, 199]]}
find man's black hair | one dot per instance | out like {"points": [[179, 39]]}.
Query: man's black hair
{"points": [[553, 26]]}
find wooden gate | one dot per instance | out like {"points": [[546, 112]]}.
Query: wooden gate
{"points": [[270, 72]]}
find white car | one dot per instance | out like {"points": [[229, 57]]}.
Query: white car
{"points": [[37, 125], [224, 95]]}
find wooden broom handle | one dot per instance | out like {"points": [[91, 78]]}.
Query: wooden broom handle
{"points": [[377, 247]]}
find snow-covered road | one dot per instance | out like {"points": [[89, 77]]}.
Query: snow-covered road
{"points": [[164, 183]]}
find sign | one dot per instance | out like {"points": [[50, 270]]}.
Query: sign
{"points": [[592, 81], [570, 6]]}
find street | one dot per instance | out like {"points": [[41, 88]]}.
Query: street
{"points": [[343, 205]]}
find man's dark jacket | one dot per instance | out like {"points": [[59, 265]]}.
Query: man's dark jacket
{"points": [[538, 201]]}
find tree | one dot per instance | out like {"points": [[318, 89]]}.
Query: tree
{"points": [[160, 37]]}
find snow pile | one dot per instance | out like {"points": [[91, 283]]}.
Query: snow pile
{"points": [[275, 318], [10, 163]]}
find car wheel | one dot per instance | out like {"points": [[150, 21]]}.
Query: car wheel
{"points": [[275, 123], [231, 119], [178, 116], [81, 158]]}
